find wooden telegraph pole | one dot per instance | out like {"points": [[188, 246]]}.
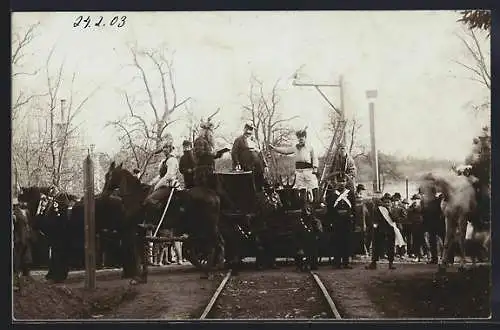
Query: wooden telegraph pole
{"points": [[90, 249], [371, 95]]}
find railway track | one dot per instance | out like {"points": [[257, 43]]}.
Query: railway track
{"points": [[327, 301]]}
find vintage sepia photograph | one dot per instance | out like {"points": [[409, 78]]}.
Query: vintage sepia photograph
{"points": [[255, 165]]}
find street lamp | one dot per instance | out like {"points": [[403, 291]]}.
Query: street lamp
{"points": [[371, 95]]}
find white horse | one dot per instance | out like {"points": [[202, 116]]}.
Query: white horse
{"points": [[458, 201]]}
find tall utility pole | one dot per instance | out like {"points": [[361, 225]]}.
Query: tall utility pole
{"points": [[371, 95]]}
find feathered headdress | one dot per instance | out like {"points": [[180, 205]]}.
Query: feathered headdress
{"points": [[208, 124], [301, 132]]}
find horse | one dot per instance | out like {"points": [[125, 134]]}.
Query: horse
{"points": [[49, 217], [458, 204], [60, 218], [193, 211], [22, 243]]}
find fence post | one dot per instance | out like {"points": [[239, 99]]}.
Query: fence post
{"points": [[89, 203]]}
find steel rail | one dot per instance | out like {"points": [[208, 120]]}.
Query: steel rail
{"points": [[215, 296], [327, 297]]}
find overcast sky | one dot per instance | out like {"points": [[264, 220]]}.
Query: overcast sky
{"points": [[424, 98]]}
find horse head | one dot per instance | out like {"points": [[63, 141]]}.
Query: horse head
{"points": [[456, 191], [120, 178]]}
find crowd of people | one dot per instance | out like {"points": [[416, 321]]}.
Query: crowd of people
{"points": [[393, 227], [407, 230]]}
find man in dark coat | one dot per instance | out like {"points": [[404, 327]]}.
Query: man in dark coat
{"points": [[340, 210], [384, 236], [247, 156], [417, 227], [433, 222], [205, 155], [399, 214], [187, 164]]}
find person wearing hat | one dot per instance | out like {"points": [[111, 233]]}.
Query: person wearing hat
{"points": [[383, 233], [168, 167], [344, 163], [417, 229], [361, 213], [205, 155], [434, 222], [306, 165], [340, 216], [187, 164], [247, 156], [400, 216]]}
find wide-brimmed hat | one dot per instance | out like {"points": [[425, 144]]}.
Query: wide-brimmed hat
{"points": [[405, 201], [360, 187], [187, 143], [207, 125]]}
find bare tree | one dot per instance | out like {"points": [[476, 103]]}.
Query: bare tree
{"points": [[353, 125], [61, 131], [21, 41], [141, 135], [480, 67], [264, 113], [476, 19], [271, 127], [45, 146]]}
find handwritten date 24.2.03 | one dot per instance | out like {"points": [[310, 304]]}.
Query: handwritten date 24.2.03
{"points": [[99, 21]]}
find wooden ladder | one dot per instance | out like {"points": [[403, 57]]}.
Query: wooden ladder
{"points": [[330, 155]]}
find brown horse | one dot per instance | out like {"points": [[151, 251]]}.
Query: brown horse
{"points": [[458, 203], [192, 211]]}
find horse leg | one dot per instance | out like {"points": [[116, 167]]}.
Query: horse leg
{"points": [[448, 240], [462, 227]]}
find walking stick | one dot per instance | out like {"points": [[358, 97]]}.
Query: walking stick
{"points": [[164, 212]]}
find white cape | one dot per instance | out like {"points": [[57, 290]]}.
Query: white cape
{"points": [[399, 242]]}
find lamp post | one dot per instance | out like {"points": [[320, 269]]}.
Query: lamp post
{"points": [[371, 95]]}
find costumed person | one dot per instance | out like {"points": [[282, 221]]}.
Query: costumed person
{"points": [[247, 156], [187, 164], [341, 215], [165, 182], [360, 222], [434, 222], [344, 163], [204, 176], [399, 215], [22, 252], [417, 228], [385, 233], [205, 156], [306, 166]]}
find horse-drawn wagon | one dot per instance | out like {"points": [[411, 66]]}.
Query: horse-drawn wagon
{"points": [[268, 224]]}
